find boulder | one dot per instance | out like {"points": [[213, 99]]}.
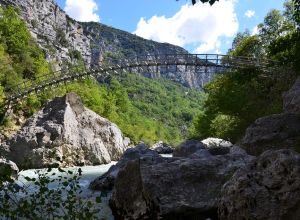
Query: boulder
{"points": [[65, 133], [173, 188], [8, 169], [217, 146], [188, 147], [205, 148], [277, 131], [162, 148], [267, 188], [106, 181], [273, 132], [291, 99]]}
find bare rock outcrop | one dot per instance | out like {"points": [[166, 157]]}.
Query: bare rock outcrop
{"points": [[107, 180], [188, 147], [209, 146], [277, 131], [267, 188], [66, 133], [291, 99], [162, 148], [174, 188], [217, 146], [273, 132]]}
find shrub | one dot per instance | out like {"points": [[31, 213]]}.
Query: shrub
{"points": [[225, 127]]}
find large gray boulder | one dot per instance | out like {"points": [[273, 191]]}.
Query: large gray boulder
{"points": [[273, 132], [217, 146], [173, 188], [277, 131], [107, 180], [291, 99], [267, 188], [205, 148], [162, 148], [188, 147], [66, 133]]}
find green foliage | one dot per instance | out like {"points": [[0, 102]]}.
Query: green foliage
{"points": [[75, 54], [13, 31], [247, 46], [38, 200], [225, 127], [211, 2], [61, 37], [34, 23], [285, 49], [238, 98], [20, 56]]}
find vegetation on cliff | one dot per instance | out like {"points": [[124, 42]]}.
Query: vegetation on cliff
{"points": [[20, 56]]}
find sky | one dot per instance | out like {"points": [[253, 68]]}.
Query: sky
{"points": [[199, 29]]}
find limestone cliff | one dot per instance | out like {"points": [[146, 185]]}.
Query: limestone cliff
{"points": [[65, 41]]}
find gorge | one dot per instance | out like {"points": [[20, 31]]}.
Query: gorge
{"points": [[177, 144]]}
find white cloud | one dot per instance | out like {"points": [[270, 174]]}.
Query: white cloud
{"points": [[82, 10], [249, 13], [200, 24], [254, 31]]}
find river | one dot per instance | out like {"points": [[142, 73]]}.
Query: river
{"points": [[89, 173]]}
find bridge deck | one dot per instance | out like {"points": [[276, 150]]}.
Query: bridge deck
{"points": [[202, 63]]}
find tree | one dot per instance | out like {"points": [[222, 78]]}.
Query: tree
{"points": [[204, 1], [211, 2], [297, 12], [246, 45], [13, 31]]}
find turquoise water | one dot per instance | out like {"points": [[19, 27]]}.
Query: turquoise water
{"points": [[89, 173]]}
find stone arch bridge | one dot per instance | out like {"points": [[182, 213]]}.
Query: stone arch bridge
{"points": [[199, 63]]}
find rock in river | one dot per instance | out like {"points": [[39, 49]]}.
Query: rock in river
{"points": [[66, 133], [107, 180], [174, 188]]}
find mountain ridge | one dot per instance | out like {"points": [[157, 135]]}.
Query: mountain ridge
{"points": [[67, 42]]}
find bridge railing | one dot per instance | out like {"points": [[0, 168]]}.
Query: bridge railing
{"points": [[219, 62], [196, 59]]}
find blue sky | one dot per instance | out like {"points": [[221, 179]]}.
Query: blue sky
{"points": [[200, 28]]}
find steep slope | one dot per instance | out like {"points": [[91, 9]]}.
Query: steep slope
{"points": [[66, 41]]}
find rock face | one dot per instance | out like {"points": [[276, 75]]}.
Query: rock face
{"points": [[68, 134], [63, 38], [8, 169], [174, 188], [162, 148], [277, 131], [273, 132], [291, 99], [54, 31], [107, 180], [268, 188]]}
